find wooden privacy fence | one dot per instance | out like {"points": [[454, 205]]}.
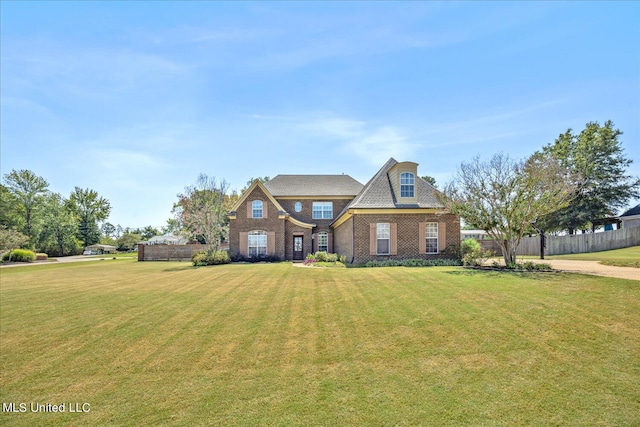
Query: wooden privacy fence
{"points": [[580, 243], [168, 252]]}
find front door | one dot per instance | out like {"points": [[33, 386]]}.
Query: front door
{"points": [[298, 253]]}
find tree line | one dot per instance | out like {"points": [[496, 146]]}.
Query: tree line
{"points": [[33, 217]]}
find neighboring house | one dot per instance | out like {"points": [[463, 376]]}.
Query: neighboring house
{"points": [[394, 216], [474, 234], [631, 218], [167, 239]]}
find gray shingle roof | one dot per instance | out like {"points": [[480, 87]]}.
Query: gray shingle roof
{"points": [[313, 185], [631, 212], [378, 193]]}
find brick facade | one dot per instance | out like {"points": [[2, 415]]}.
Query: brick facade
{"points": [[351, 234], [408, 242]]}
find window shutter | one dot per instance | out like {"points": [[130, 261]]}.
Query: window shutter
{"points": [[393, 239], [249, 210], [330, 242], [373, 235], [244, 244], [264, 209], [314, 236], [422, 238], [442, 236], [271, 242]]}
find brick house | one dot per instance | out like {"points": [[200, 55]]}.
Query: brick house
{"points": [[394, 216]]}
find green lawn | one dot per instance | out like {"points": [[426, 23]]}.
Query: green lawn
{"points": [[627, 257], [165, 343]]}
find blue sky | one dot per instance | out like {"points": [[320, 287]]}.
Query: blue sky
{"points": [[135, 99]]}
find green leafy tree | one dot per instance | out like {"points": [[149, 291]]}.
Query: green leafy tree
{"points": [[596, 155], [505, 197], [59, 228], [431, 180], [90, 208], [128, 241], [262, 179], [27, 189], [9, 216], [108, 230]]}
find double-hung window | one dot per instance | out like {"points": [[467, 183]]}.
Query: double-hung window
{"points": [[322, 210], [431, 232], [383, 238], [257, 243], [323, 241], [256, 209], [407, 184]]}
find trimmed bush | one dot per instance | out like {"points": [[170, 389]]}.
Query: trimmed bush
{"points": [[41, 257], [19, 255], [265, 258], [444, 262], [210, 258]]}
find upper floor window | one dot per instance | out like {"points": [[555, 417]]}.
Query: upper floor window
{"points": [[322, 210], [298, 206], [323, 241], [407, 184], [256, 209], [383, 237]]}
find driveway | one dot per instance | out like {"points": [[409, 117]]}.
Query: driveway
{"points": [[74, 258], [592, 267]]}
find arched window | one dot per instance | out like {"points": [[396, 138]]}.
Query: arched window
{"points": [[256, 209], [257, 244], [407, 184], [323, 241]]}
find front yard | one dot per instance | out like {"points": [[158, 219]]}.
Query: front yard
{"points": [[166, 343]]}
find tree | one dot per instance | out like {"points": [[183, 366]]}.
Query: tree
{"points": [[28, 189], [11, 239], [201, 210], [128, 241], [505, 197], [262, 179], [596, 155], [9, 216], [108, 230], [431, 180], [89, 208], [59, 228]]}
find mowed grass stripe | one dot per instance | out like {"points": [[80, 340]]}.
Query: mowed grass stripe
{"points": [[165, 343]]}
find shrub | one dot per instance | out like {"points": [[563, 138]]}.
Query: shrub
{"points": [[210, 258], [473, 254], [41, 257], [442, 262], [19, 255], [264, 258]]}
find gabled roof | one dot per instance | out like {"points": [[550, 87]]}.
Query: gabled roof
{"points": [[378, 193], [249, 190], [631, 212], [313, 185]]}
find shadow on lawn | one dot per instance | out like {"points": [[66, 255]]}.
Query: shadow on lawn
{"points": [[503, 273], [181, 268]]}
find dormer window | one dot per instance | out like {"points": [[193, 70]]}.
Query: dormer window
{"points": [[256, 208], [407, 184]]}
